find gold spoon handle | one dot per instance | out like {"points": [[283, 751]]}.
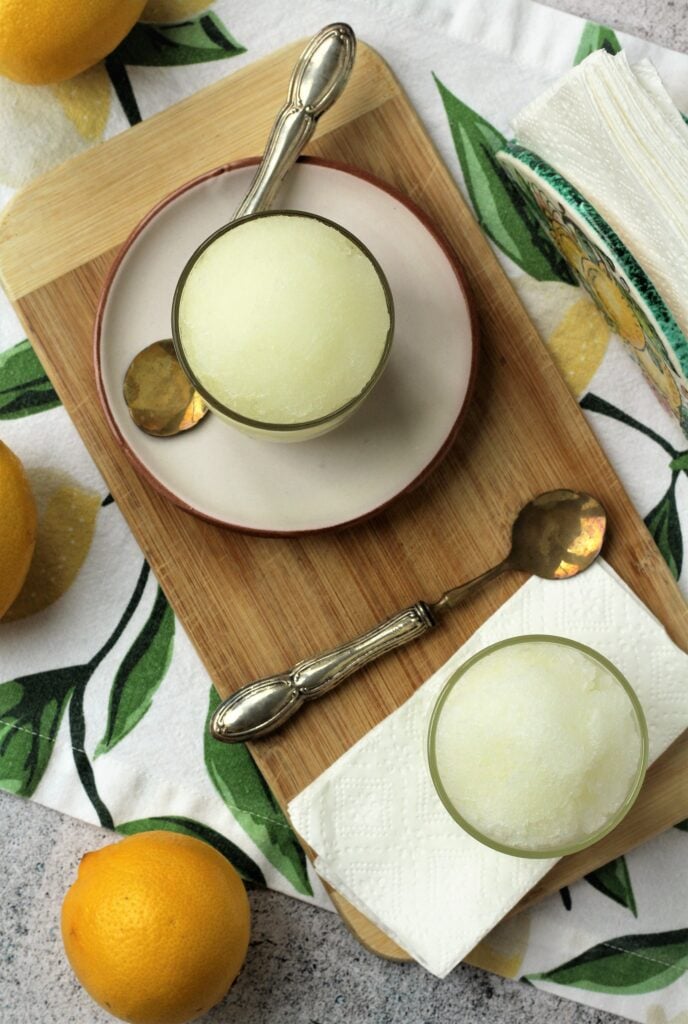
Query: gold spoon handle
{"points": [[457, 594], [318, 78]]}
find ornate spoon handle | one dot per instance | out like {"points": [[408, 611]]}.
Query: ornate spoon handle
{"points": [[318, 78], [266, 704], [260, 707]]}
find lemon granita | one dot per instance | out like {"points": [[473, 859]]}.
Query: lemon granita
{"points": [[284, 319], [538, 746]]}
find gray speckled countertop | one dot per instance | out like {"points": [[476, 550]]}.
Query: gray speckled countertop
{"points": [[303, 966]]}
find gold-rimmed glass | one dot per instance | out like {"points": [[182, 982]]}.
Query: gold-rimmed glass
{"points": [[613, 821]]}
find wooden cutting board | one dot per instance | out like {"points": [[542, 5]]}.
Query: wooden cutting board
{"points": [[253, 605]]}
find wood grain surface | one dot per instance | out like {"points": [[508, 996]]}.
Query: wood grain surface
{"points": [[254, 605]]}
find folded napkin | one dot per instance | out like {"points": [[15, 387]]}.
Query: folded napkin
{"points": [[382, 837], [613, 131]]}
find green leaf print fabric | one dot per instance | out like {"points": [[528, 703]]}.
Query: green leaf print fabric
{"points": [[665, 527], [596, 37], [500, 210], [140, 674], [614, 881], [194, 41], [31, 709], [243, 789], [631, 963], [104, 703], [24, 385]]}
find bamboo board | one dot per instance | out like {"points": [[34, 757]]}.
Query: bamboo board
{"points": [[253, 605]]}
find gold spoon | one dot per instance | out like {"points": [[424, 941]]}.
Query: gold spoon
{"points": [[555, 536], [160, 397], [319, 75]]}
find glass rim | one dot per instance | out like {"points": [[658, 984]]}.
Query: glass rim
{"points": [[218, 406], [564, 850]]}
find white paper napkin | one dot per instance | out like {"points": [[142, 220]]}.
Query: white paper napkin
{"points": [[383, 838], [613, 131]]}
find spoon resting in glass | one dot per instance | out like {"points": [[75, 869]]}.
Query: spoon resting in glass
{"points": [[555, 536]]}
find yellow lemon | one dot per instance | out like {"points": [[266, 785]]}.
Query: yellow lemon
{"points": [[44, 41], [156, 927], [17, 527]]}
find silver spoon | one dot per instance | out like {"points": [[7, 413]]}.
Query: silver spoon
{"points": [[555, 536], [160, 398]]}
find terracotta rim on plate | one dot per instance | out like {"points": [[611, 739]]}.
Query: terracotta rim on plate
{"points": [[150, 477]]}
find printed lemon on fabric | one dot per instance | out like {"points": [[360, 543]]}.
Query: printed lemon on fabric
{"points": [[572, 327], [502, 952], [66, 521]]}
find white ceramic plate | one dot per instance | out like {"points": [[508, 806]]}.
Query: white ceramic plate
{"points": [[389, 445]]}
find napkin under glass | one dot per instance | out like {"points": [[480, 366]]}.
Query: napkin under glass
{"points": [[382, 837]]}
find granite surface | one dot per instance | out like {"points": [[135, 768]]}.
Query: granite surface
{"points": [[303, 965], [662, 21]]}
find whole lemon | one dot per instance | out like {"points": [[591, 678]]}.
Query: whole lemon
{"points": [[45, 41], [17, 527], [156, 927]]}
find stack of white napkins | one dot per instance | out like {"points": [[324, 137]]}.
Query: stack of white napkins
{"points": [[613, 131], [382, 837]]}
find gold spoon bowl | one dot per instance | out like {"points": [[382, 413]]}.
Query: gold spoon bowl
{"points": [[160, 397]]}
